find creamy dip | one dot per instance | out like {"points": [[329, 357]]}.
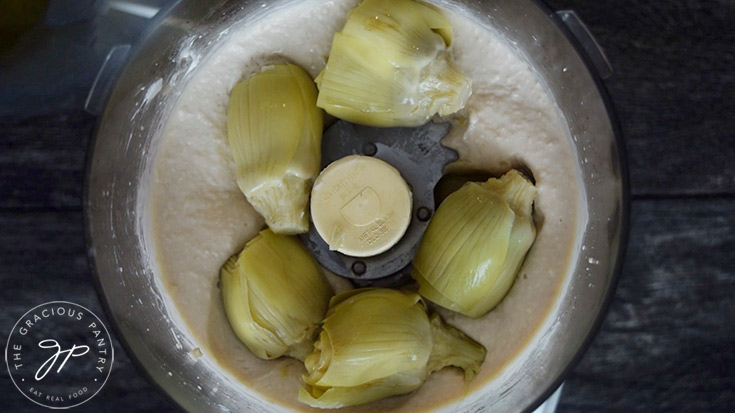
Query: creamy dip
{"points": [[200, 217]]}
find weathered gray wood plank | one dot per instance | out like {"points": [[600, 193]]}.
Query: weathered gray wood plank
{"points": [[42, 160], [668, 343], [42, 258], [672, 88]]}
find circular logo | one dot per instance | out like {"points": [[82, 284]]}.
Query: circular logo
{"points": [[59, 354]]}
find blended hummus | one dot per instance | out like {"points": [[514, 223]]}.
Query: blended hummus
{"points": [[200, 218]]}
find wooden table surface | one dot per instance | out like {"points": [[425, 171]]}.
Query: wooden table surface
{"points": [[668, 343]]}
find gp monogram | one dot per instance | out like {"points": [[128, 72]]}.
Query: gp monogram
{"points": [[59, 354]]}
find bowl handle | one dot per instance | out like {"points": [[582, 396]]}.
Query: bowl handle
{"points": [[145, 13]]}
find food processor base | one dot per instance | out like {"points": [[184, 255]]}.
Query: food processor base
{"points": [[549, 406]]}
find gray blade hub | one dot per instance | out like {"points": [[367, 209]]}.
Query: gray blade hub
{"points": [[420, 158]]}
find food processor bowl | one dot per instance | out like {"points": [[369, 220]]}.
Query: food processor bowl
{"points": [[142, 94]]}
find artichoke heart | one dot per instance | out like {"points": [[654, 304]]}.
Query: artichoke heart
{"points": [[476, 243], [275, 130], [376, 343], [275, 296], [391, 66]]}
